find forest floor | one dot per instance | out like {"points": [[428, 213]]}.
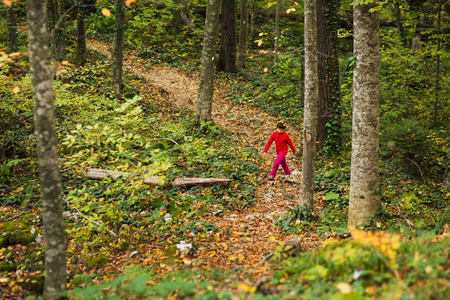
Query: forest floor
{"points": [[246, 236]]}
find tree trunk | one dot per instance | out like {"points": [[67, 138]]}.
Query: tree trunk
{"points": [[57, 34], [117, 54], [277, 33], [50, 182], [243, 35], [11, 35], [438, 65], [398, 18], [206, 88], [252, 19], [81, 37], [364, 180], [310, 109], [227, 52], [329, 106]]}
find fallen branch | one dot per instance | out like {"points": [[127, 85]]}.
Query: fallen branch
{"points": [[99, 174], [421, 174], [406, 220], [89, 219]]}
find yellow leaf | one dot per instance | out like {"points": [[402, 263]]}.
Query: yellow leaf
{"points": [[129, 2], [16, 90], [266, 70], [290, 10], [428, 269], [344, 287], [14, 55], [106, 12], [246, 288], [241, 257]]}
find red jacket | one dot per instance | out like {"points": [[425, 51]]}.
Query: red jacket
{"points": [[282, 141]]}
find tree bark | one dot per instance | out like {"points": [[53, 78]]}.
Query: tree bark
{"points": [[329, 102], [364, 180], [227, 52], [243, 35], [310, 109], [81, 37], [50, 182], [277, 33], [11, 35], [57, 34], [438, 66], [206, 87], [117, 53], [252, 19], [398, 19]]}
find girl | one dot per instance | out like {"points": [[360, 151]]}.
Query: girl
{"points": [[282, 141]]}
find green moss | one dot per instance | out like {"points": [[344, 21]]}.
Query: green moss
{"points": [[14, 233], [96, 260], [7, 267]]}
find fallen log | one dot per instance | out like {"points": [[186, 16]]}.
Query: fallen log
{"points": [[200, 181], [155, 181], [99, 174]]}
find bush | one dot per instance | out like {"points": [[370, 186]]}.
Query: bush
{"points": [[420, 151]]}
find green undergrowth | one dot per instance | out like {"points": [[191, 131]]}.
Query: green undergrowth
{"points": [[134, 136], [373, 265]]}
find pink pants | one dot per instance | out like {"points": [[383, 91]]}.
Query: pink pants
{"points": [[280, 160]]}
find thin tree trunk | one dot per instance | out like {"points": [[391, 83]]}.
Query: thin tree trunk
{"points": [[227, 52], [364, 199], [11, 35], [310, 109], [329, 107], [252, 19], [438, 64], [81, 37], [243, 35], [206, 88], [398, 18], [50, 182], [57, 34], [117, 53], [277, 33]]}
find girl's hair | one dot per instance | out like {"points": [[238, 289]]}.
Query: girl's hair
{"points": [[281, 125]]}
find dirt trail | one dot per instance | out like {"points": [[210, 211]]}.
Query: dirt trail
{"points": [[245, 237]]}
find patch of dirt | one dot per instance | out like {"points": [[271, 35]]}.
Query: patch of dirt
{"points": [[245, 237]]}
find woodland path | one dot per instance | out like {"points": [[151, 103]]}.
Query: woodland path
{"points": [[245, 237]]}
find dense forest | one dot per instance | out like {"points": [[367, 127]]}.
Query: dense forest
{"points": [[132, 136]]}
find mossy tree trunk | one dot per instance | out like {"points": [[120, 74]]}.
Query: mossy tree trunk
{"points": [[227, 52], [206, 89], [364, 199], [49, 175], [329, 105], [243, 34], [117, 54], [310, 108], [11, 35]]}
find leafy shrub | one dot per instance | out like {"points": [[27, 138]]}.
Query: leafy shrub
{"points": [[297, 219], [421, 151]]}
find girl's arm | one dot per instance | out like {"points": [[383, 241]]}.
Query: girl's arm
{"points": [[269, 143], [290, 144]]}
